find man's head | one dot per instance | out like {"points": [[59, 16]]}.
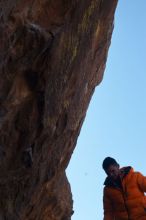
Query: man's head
{"points": [[111, 167]]}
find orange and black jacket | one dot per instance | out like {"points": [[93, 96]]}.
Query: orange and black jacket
{"points": [[125, 200]]}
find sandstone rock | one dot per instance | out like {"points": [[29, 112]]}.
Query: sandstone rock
{"points": [[52, 56]]}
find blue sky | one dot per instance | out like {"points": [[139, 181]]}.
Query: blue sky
{"points": [[115, 123]]}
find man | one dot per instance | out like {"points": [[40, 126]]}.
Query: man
{"points": [[123, 196]]}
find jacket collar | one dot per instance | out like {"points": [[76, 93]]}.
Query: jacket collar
{"points": [[124, 171]]}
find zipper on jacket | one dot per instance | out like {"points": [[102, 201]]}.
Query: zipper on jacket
{"points": [[124, 192], [125, 204]]}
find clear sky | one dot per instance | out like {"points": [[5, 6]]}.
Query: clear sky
{"points": [[115, 123]]}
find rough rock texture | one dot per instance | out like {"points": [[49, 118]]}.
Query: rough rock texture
{"points": [[52, 55]]}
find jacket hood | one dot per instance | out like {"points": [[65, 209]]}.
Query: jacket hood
{"points": [[124, 171]]}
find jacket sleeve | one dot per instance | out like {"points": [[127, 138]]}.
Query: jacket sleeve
{"points": [[141, 180], [107, 206]]}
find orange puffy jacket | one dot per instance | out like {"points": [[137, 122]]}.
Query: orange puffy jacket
{"points": [[127, 202]]}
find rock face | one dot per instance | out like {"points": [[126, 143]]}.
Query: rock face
{"points": [[52, 56]]}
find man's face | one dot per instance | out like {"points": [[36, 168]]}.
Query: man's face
{"points": [[113, 171]]}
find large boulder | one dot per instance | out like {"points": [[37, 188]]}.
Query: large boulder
{"points": [[52, 56]]}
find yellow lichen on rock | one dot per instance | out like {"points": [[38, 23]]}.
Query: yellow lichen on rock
{"points": [[83, 26]]}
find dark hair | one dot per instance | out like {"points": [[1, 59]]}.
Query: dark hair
{"points": [[108, 161]]}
